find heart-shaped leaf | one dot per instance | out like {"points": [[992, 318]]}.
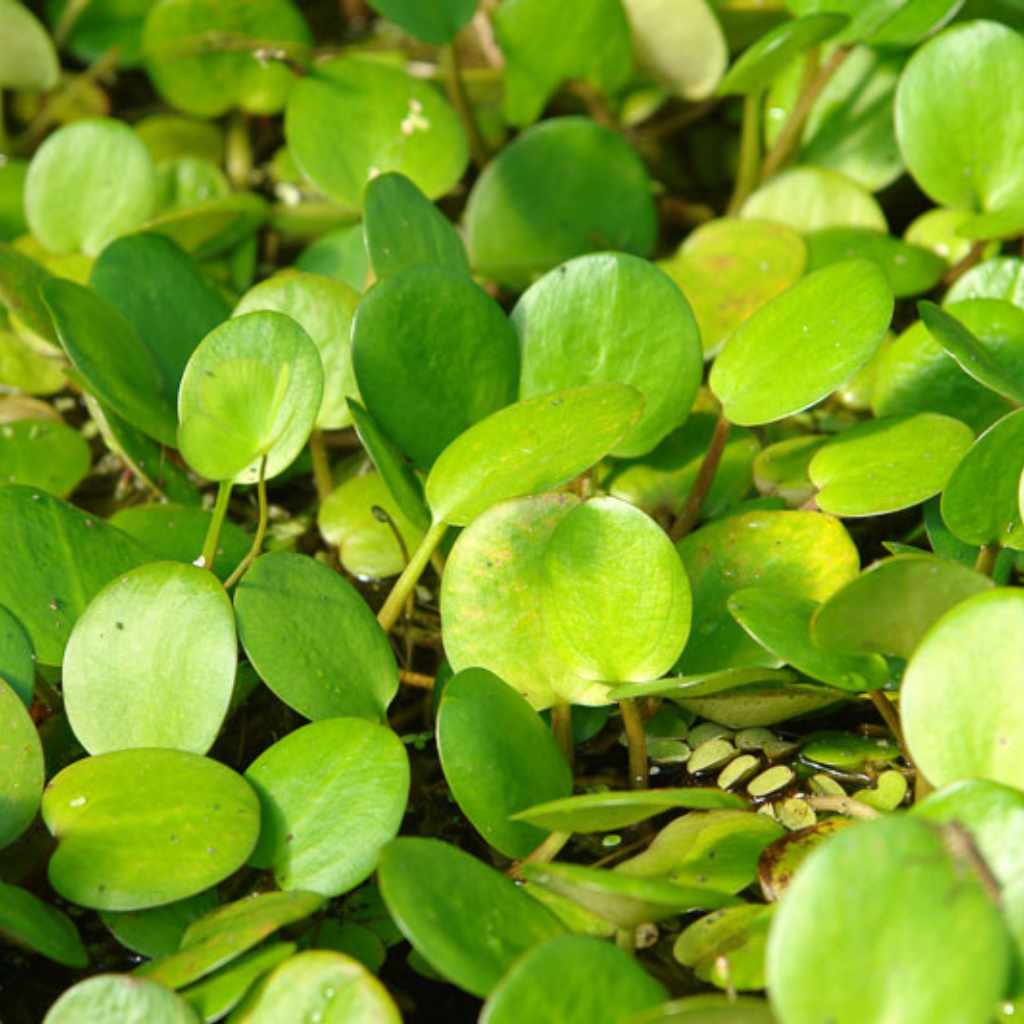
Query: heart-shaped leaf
{"points": [[209, 79], [729, 268], [804, 344], [589, 41], [801, 554], [818, 964], [585, 321], [73, 201], [151, 662], [564, 187], [498, 757], [957, 133], [890, 606], [351, 119], [959, 706], [333, 793], [443, 900], [323, 308], [251, 391], [616, 600], [313, 640], [889, 464], [185, 823]]}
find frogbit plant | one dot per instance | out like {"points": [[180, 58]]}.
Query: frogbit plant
{"points": [[511, 511]]}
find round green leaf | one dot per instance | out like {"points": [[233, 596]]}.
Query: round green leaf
{"points": [[531, 446], [819, 965], [29, 60], [183, 824], [43, 454], [716, 849], [573, 979], [892, 604], [21, 767], [909, 269], [564, 187], [313, 639], [679, 44], [17, 660], [888, 464], [333, 793], [959, 700], [444, 900], [915, 373], [432, 23], [729, 268], [433, 354], [109, 997], [251, 390], [56, 560], [324, 309], [604, 812], [319, 985], [759, 64], [498, 757], [366, 546], [959, 136], [89, 182], [491, 602], [781, 623], [804, 344], [224, 934], [404, 229], [616, 600], [980, 502], [204, 56], [585, 321], [587, 40], [810, 198], [151, 662], [112, 360], [158, 931], [621, 899], [27, 921], [800, 554], [162, 293], [175, 533], [351, 119]]}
